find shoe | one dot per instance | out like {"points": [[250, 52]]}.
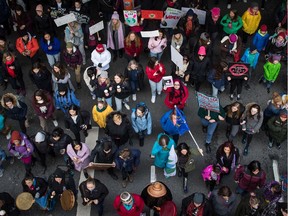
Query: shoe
{"points": [[85, 133], [55, 122], [245, 152], [244, 140], [131, 178], [278, 146], [238, 97], [204, 129], [8, 136], [1, 172], [79, 86], [120, 55], [247, 87], [86, 174], [134, 98], [153, 99], [270, 145], [159, 93], [260, 80], [268, 90], [208, 148], [93, 97], [228, 6], [185, 186], [124, 183], [127, 106], [179, 173], [113, 176], [231, 97], [141, 142], [209, 194]]}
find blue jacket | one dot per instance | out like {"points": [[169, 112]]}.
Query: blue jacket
{"points": [[161, 155], [56, 46], [143, 123], [64, 102], [132, 162], [246, 58], [271, 110], [167, 124], [260, 41], [2, 156], [216, 83]]}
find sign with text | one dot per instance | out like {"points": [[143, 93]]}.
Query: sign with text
{"points": [[176, 57], [130, 17], [171, 18], [65, 19], [167, 81], [238, 70], [200, 13], [95, 28], [207, 102], [152, 14], [148, 34]]}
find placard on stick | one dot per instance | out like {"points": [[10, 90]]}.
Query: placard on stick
{"points": [[95, 28], [65, 19], [207, 102], [176, 57]]}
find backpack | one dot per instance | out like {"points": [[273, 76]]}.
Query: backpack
{"points": [[141, 104]]}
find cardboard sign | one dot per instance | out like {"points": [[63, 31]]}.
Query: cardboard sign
{"points": [[200, 13], [130, 17], [151, 14], [100, 166], [148, 34], [176, 57], [238, 70], [207, 102], [81, 18], [168, 81], [65, 19], [97, 27], [171, 18], [55, 13]]}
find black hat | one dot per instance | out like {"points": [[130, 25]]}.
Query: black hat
{"points": [[62, 87], [176, 31], [23, 33], [198, 198], [58, 173], [252, 47]]}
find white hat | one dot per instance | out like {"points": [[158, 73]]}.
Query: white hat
{"points": [[2, 212], [40, 137]]}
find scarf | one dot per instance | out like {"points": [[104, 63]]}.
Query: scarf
{"points": [[119, 37], [189, 26], [170, 3], [10, 71], [101, 110]]}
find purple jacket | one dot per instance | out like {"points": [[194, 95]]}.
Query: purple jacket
{"points": [[82, 155], [206, 173], [73, 59]]}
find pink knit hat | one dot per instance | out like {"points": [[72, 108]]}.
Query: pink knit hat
{"points": [[115, 15], [202, 50], [233, 38], [215, 11]]}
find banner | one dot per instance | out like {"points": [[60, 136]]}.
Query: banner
{"points": [[65, 19], [176, 57], [181, 122], [95, 28], [130, 17], [151, 14], [238, 70], [171, 18], [207, 102], [148, 34], [200, 13]]}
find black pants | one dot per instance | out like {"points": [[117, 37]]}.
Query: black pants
{"points": [[185, 174], [236, 83], [125, 173], [248, 138], [15, 81], [22, 125], [210, 184]]}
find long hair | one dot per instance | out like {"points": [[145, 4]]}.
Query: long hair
{"points": [[238, 112], [235, 15], [75, 108], [182, 146], [131, 63], [137, 40], [255, 106], [6, 54], [51, 37], [41, 93], [152, 61], [220, 70], [254, 165], [121, 77], [75, 143], [226, 144], [276, 98], [63, 70], [172, 93], [163, 34]]}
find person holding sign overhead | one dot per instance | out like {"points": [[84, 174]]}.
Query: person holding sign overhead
{"points": [[157, 45]]}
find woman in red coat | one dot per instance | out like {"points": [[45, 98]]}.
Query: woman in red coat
{"points": [[127, 204], [155, 72], [132, 46], [176, 95]]}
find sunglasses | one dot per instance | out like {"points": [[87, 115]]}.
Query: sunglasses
{"points": [[201, 55]]}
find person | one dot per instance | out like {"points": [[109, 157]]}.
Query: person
{"points": [[274, 107], [121, 91], [22, 19], [231, 47], [13, 73], [133, 47], [58, 8], [115, 35], [41, 77], [105, 152], [141, 121], [196, 204], [251, 19], [101, 57], [15, 109], [261, 38], [93, 192], [43, 21], [277, 45], [3, 157], [275, 209], [73, 59], [155, 72], [205, 41], [250, 205], [5, 47], [100, 111], [60, 75], [7, 204], [233, 117], [51, 47], [5, 129], [227, 157], [157, 45], [178, 41], [176, 95], [77, 120], [272, 191], [277, 129], [217, 78], [249, 177], [251, 123], [209, 120], [223, 201], [189, 24], [127, 161], [43, 106], [183, 74], [41, 143], [119, 128], [231, 22], [135, 75], [160, 150], [211, 176], [81, 12], [213, 23], [128, 204]]}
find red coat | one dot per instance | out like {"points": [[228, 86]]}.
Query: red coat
{"points": [[136, 209], [32, 45], [131, 50], [179, 98], [159, 76]]}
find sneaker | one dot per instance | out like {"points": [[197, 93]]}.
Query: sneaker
{"points": [[127, 106], [55, 122], [208, 148], [245, 152], [244, 141], [268, 90], [238, 97], [131, 178], [85, 133], [1, 172], [260, 80], [231, 97], [93, 97], [278, 146], [11, 160], [153, 99], [134, 98], [228, 6], [124, 183], [8, 136], [159, 93], [270, 145]]}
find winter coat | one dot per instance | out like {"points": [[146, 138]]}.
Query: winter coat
{"points": [[104, 58], [136, 75], [236, 25], [42, 80], [200, 69], [247, 180], [270, 196], [277, 129], [19, 110], [55, 43], [214, 115], [66, 80], [189, 165], [230, 162], [100, 191], [73, 59], [115, 39], [211, 26], [41, 147], [244, 208], [61, 143], [18, 70], [271, 110], [271, 71], [233, 120], [137, 207], [167, 124], [9, 203], [82, 155], [150, 71], [99, 156], [176, 97], [99, 88], [260, 41], [252, 124], [206, 174], [83, 117], [130, 163], [125, 90], [217, 83], [156, 45], [221, 206], [195, 24], [227, 47], [39, 186], [78, 37], [23, 19], [179, 44], [46, 109], [64, 102], [251, 59], [161, 155], [274, 48], [5, 11], [142, 123], [99, 116], [43, 23], [251, 21], [32, 45], [131, 50], [82, 15]]}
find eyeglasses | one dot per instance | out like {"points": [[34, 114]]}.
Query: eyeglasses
{"points": [[176, 84]]}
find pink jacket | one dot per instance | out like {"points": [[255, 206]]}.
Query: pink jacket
{"points": [[155, 45], [83, 155], [206, 173]]}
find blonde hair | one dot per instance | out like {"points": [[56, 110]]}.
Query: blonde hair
{"points": [[6, 54], [131, 63], [276, 98]]}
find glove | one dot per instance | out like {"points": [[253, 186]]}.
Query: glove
{"points": [[130, 142], [17, 154], [100, 65], [20, 156], [37, 195]]}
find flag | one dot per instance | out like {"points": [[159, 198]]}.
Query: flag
{"points": [[181, 121]]}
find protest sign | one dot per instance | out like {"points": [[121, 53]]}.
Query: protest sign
{"points": [[151, 14], [238, 70], [55, 13], [207, 102], [95, 28], [148, 34], [171, 18], [168, 81], [130, 17], [81, 18], [200, 13], [128, 4], [176, 57], [65, 19]]}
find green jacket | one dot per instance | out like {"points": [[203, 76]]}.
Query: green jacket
{"points": [[235, 25], [214, 115], [271, 71], [277, 129]]}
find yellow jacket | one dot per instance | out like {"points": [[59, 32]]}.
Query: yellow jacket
{"points": [[250, 21], [100, 117]]}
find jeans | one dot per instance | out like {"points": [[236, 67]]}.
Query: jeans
{"points": [[82, 50], [210, 130], [134, 85], [52, 59], [157, 55], [155, 86], [268, 83], [215, 90], [109, 101], [119, 103]]}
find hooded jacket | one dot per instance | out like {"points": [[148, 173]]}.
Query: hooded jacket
{"points": [[260, 40], [73, 59], [250, 21], [176, 97], [22, 149], [61, 143], [142, 123], [271, 71], [19, 110], [32, 45], [277, 129], [104, 58], [54, 42], [99, 193]]}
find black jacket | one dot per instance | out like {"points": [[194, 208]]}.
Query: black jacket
{"points": [[200, 68], [17, 112], [186, 202], [9, 204], [233, 120], [82, 118], [99, 156], [43, 79], [125, 90], [62, 143], [40, 185], [100, 191]]}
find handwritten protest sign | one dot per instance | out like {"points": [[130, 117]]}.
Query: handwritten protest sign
{"points": [[65, 19], [209, 103], [176, 57], [148, 34], [95, 28], [130, 17], [200, 13], [151, 14], [171, 18], [238, 70], [168, 81]]}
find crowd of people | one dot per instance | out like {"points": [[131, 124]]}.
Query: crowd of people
{"points": [[242, 40]]}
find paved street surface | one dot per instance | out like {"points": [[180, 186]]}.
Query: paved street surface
{"points": [[11, 181]]}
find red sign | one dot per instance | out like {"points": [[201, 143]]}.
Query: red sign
{"points": [[238, 69], [151, 14]]}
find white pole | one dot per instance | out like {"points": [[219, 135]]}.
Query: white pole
{"points": [[199, 149]]}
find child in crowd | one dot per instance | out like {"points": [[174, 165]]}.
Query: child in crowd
{"points": [[211, 176]]}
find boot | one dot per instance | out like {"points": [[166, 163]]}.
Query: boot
{"points": [[204, 129], [124, 183], [208, 149], [185, 187], [179, 173], [141, 142], [228, 131], [79, 85], [245, 152]]}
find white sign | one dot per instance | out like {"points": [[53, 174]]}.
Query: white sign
{"points": [[65, 19], [171, 18], [130, 17], [176, 57], [167, 81], [200, 13], [148, 34], [95, 28]]}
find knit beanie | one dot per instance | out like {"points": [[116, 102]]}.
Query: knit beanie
{"points": [[263, 28], [115, 15], [233, 38], [282, 34], [15, 136], [215, 11], [69, 45], [100, 48], [202, 50]]}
